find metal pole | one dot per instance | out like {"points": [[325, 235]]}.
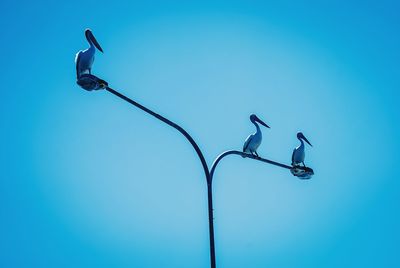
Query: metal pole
{"points": [[211, 224], [200, 155], [90, 82]]}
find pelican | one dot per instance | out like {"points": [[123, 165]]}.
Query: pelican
{"points": [[254, 140], [298, 153], [84, 58]]}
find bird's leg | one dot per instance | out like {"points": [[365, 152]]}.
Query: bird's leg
{"points": [[90, 71], [256, 153], [303, 164]]}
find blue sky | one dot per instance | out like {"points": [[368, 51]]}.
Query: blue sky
{"points": [[89, 181]]}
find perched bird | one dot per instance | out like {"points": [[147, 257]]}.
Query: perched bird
{"points": [[84, 59], [254, 140], [298, 153]]}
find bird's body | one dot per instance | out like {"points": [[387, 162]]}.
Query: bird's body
{"points": [[84, 59], [298, 154], [254, 140]]}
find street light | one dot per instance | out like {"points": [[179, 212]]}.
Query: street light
{"points": [[91, 82]]}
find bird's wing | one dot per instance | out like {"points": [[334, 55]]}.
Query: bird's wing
{"points": [[246, 143], [77, 63]]}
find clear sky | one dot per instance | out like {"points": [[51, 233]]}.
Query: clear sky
{"points": [[90, 181]]}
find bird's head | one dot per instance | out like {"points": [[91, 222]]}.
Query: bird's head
{"points": [[91, 39], [300, 136], [254, 118]]}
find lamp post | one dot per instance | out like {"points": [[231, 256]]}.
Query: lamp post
{"points": [[90, 82]]}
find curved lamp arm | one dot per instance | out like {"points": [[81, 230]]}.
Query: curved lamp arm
{"points": [[169, 122], [226, 153]]}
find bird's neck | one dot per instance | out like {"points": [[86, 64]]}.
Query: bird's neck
{"points": [[257, 127], [91, 44], [301, 143]]}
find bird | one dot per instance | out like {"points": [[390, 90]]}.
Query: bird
{"points": [[84, 58], [298, 154], [254, 140]]}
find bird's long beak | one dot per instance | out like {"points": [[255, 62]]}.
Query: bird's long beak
{"points": [[261, 122], [95, 43], [305, 139]]}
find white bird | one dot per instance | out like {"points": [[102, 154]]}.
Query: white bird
{"points": [[298, 153], [84, 59], [254, 140]]}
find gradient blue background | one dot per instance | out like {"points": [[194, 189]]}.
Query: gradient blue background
{"points": [[89, 181]]}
